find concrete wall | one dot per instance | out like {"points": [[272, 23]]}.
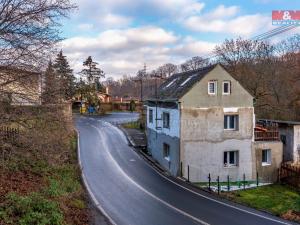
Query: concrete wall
{"points": [[198, 96], [296, 143], [155, 146], [204, 141], [267, 173]]}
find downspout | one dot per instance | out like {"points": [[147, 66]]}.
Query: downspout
{"points": [[179, 109]]}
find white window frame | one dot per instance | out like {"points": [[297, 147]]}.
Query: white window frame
{"points": [[150, 115], [227, 164], [269, 157], [236, 121], [229, 88], [215, 83], [166, 154], [169, 121]]}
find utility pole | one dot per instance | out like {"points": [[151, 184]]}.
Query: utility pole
{"points": [[142, 74]]}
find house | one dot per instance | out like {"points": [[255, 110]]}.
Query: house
{"points": [[20, 87], [289, 132], [202, 122]]}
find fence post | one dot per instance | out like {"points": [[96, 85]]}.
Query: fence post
{"points": [[181, 169], [218, 181], [228, 184], [188, 173], [257, 181], [209, 180], [244, 181]]}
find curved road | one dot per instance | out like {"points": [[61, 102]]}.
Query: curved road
{"points": [[132, 193]]}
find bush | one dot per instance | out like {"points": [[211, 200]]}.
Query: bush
{"points": [[33, 209]]}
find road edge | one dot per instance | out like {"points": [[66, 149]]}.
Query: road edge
{"points": [[195, 189], [91, 194]]}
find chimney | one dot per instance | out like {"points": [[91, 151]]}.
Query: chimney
{"points": [[106, 90]]}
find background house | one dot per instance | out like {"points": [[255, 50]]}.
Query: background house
{"points": [[20, 87], [202, 122], [289, 132]]}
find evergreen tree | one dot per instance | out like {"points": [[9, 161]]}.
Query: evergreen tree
{"points": [[50, 93], [65, 76], [92, 72]]}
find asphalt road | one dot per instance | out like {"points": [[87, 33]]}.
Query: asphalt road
{"points": [[130, 192]]}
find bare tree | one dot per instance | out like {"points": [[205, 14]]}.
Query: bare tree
{"points": [[194, 63]]}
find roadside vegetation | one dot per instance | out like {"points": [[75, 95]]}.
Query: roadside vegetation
{"points": [[40, 178], [280, 200]]}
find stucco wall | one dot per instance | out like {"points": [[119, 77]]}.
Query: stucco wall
{"points": [[296, 143], [207, 157], [173, 131], [198, 96], [267, 173], [155, 146], [204, 140]]}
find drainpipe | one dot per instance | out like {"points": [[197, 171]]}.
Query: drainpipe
{"points": [[179, 108]]}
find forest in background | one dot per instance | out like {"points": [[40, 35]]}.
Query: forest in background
{"points": [[270, 72]]}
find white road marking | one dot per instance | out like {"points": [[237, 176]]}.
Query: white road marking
{"points": [[217, 201], [196, 193], [96, 202], [143, 189]]}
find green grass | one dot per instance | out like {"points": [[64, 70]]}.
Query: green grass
{"points": [[132, 125], [31, 209], [277, 199], [63, 187]]}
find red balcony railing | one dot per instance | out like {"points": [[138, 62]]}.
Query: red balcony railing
{"points": [[266, 135]]}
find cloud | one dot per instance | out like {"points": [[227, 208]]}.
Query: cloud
{"points": [[242, 25], [124, 51], [113, 20]]}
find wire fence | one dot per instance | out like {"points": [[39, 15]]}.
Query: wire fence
{"points": [[222, 182]]}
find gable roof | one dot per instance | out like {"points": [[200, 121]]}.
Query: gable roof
{"points": [[179, 84]]}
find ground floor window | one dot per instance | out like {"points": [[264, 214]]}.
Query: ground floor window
{"points": [[166, 151], [231, 158], [266, 157]]}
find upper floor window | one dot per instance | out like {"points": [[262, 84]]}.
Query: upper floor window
{"points": [[166, 120], [150, 115], [231, 122], [212, 87], [266, 157], [226, 88]]}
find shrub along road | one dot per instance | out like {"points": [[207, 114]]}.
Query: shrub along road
{"points": [[131, 192]]}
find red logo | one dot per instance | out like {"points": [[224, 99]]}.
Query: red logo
{"points": [[286, 15]]}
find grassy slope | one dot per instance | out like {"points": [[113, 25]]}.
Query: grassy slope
{"points": [[34, 191], [277, 199]]}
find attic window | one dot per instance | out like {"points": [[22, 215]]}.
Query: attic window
{"points": [[187, 80], [212, 87], [172, 82], [226, 88]]}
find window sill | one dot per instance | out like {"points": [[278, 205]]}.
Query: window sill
{"points": [[266, 164], [230, 130], [230, 166], [225, 93], [167, 158]]}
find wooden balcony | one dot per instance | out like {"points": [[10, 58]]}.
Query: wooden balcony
{"points": [[266, 135]]}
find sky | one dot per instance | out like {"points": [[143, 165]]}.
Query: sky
{"points": [[122, 35]]}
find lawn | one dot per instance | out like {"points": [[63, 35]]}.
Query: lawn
{"points": [[280, 200]]}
